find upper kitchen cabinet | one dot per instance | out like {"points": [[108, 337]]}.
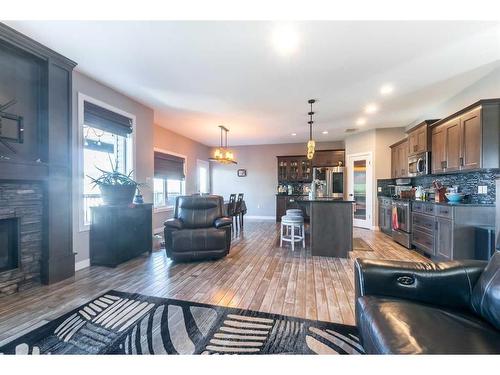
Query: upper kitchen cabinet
{"points": [[294, 169], [419, 138], [328, 158], [468, 139], [399, 159]]}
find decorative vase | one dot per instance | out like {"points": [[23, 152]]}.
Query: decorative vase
{"points": [[116, 195]]}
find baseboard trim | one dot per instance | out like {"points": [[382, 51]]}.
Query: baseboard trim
{"points": [[260, 217], [82, 264]]}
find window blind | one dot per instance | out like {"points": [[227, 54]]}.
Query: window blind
{"points": [[104, 119], [169, 166]]}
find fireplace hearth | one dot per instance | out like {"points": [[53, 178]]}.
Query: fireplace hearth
{"points": [[9, 244]]}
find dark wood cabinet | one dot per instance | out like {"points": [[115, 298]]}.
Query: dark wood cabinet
{"points": [[468, 139], [286, 202], [444, 239], [120, 233], [470, 156], [399, 159], [297, 168], [452, 145], [446, 232], [419, 138], [328, 158], [438, 154], [294, 169]]}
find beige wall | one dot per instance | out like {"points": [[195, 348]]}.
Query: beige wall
{"points": [[260, 185], [168, 141], [377, 143], [142, 149]]}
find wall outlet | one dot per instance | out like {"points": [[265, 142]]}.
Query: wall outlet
{"points": [[482, 189], [379, 189]]}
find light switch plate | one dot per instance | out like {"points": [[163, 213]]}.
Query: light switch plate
{"points": [[379, 189]]}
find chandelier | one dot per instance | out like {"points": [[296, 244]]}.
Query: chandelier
{"points": [[311, 145], [222, 154]]}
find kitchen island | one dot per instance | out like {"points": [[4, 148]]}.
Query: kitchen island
{"points": [[331, 223]]}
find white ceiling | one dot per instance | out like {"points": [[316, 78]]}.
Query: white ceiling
{"points": [[197, 75]]}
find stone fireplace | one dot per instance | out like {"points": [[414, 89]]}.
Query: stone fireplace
{"points": [[21, 218], [35, 164]]}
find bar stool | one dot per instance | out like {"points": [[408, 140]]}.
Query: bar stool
{"points": [[294, 212], [288, 225]]}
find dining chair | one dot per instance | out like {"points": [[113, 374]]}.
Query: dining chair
{"points": [[231, 208], [239, 211]]}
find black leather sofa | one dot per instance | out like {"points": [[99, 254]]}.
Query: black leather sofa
{"points": [[198, 230], [428, 308]]}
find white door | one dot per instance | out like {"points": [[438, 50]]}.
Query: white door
{"points": [[203, 176], [360, 183]]}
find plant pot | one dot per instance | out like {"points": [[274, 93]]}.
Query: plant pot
{"points": [[116, 195]]}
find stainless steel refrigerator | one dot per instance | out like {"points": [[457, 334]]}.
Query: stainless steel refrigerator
{"points": [[331, 181]]}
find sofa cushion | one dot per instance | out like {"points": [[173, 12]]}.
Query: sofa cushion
{"points": [[486, 292], [396, 326], [198, 239]]}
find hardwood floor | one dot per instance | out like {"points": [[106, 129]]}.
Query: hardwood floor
{"points": [[257, 275]]}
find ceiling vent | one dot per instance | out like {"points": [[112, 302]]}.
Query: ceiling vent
{"points": [[350, 130]]}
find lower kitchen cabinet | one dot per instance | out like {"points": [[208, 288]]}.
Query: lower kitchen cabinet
{"points": [[444, 239], [446, 232], [286, 202]]}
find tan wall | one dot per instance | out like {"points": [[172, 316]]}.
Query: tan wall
{"points": [[143, 146], [167, 140], [260, 185], [377, 143]]}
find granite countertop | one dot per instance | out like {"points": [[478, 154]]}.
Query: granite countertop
{"points": [[460, 204], [326, 200]]}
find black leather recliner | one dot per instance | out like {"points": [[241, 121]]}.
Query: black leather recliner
{"points": [[428, 308], [198, 230]]}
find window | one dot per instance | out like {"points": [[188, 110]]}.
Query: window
{"points": [[169, 179], [166, 191], [203, 177], [106, 142]]}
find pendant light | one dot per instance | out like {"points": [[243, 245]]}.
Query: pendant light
{"points": [[222, 154], [311, 145]]}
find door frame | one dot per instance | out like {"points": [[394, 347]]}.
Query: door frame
{"points": [[206, 164], [368, 156]]}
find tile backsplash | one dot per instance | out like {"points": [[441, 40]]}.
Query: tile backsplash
{"points": [[467, 183]]}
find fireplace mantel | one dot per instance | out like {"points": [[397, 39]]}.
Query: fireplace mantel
{"points": [[44, 158]]}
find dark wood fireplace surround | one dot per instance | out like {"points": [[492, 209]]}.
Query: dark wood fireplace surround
{"points": [[35, 176]]}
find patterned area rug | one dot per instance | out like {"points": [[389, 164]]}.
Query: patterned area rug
{"points": [[124, 323]]}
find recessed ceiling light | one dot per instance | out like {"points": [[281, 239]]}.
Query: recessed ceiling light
{"points": [[285, 39], [386, 89], [371, 108], [294, 134], [325, 131], [360, 121]]}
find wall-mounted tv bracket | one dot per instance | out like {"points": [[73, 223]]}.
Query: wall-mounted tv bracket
{"points": [[19, 122]]}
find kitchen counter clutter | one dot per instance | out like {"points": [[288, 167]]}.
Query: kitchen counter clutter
{"points": [[331, 226]]}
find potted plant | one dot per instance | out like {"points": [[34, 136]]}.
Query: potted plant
{"points": [[116, 188]]}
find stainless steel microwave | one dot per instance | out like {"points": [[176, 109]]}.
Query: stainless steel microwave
{"points": [[419, 165]]}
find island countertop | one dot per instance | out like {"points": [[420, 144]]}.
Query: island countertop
{"points": [[325, 200], [331, 226]]}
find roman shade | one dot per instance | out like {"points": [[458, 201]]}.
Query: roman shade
{"points": [[104, 119], [169, 166]]}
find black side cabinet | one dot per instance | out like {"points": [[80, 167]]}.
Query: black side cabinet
{"points": [[120, 233]]}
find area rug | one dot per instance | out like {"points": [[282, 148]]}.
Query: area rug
{"points": [[124, 323], [359, 244]]}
